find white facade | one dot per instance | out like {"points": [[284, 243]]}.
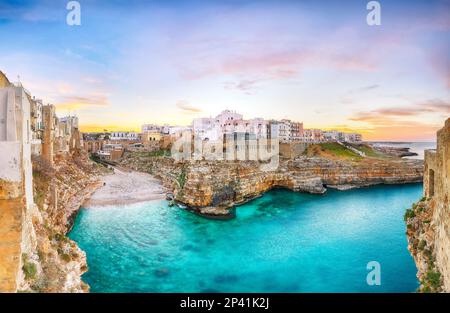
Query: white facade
{"points": [[15, 140], [259, 127], [226, 123], [352, 137], [150, 128], [227, 117], [284, 130], [203, 127], [124, 136]]}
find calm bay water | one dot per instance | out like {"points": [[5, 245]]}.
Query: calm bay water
{"points": [[281, 242]]}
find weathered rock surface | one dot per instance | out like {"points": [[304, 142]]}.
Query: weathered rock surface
{"points": [[394, 151], [428, 221], [226, 183], [57, 263]]}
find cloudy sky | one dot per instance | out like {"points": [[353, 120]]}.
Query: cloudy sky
{"points": [[135, 62]]}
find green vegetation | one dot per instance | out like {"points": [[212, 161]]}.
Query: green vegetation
{"points": [[157, 153], [339, 150], [29, 268], [409, 214], [368, 151], [182, 179], [60, 237], [434, 278], [432, 281], [422, 244], [331, 150], [65, 257]]}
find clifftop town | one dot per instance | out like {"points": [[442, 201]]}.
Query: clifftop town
{"points": [[46, 175]]}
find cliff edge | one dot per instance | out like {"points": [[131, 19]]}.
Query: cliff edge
{"points": [[428, 221]]}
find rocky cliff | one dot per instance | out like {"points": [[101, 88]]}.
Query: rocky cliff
{"points": [[223, 184], [56, 263], [428, 221]]}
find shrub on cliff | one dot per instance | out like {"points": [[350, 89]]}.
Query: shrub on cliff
{"points": [[434, 278], [422, 244], [29, 268], [409, 214], [182, 179], [432, 281]]}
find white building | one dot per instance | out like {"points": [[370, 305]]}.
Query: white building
{"points": [[313, 135], [124, 136], [150, 128], [284, 130], [259, 127], [202, 125], [15, 143], [226, 123], [227, 117], [352, 137]]}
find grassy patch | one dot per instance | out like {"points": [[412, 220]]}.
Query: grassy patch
{"points": [[409, 214], [182, 179], [29, 268], [158, 153], [333, 150], [368, 151], [422, 244]]}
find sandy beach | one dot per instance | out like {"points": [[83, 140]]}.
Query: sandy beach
{"points": [[123, 187]]}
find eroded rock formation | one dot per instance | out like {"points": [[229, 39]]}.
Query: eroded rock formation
{"points": [[220, 184], [56, 263], [428, 221]]}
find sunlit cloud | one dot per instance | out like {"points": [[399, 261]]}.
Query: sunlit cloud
{"points": [[79, 102], [386, 115], [186, 107], [307, 61]]}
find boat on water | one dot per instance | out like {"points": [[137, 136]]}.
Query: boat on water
{"points": [[182, 206]]}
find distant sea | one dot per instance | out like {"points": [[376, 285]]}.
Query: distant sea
{"points": [[417, 147]]}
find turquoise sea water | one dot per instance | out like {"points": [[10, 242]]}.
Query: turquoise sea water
{"points": [[281, 242]]}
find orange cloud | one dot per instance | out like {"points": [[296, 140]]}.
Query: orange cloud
{"points": [[401, 123], [385, 116], [78, 102], [187, 108]]}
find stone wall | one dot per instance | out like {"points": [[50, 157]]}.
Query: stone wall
{"points": [[292, 150], [16, 186], [429, 220]]}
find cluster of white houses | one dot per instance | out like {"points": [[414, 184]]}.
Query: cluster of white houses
{"points": [[45, 133], [230, 122], [227, 127]]}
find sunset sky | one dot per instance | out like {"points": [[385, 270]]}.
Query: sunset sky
{"points": [[135, 62]]}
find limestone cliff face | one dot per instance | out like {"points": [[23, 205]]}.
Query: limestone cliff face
{"points": [[428, 221], [226, 183], [56, 263]]}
